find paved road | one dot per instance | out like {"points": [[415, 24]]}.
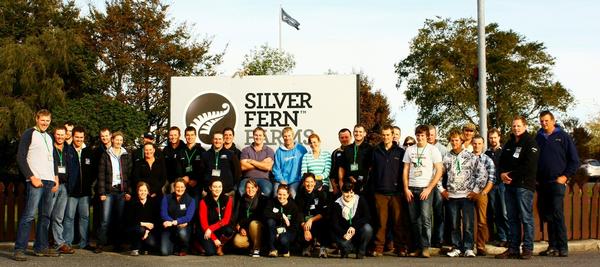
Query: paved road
{"points": [[87, 258]]}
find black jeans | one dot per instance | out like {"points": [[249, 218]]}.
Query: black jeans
{"points": [[551, 208]]}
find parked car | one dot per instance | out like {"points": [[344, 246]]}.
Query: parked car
{"points": [[591, 168]]}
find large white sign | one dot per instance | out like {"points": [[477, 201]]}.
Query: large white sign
{"points": [[321, 104]]}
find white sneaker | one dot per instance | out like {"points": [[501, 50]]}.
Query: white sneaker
{"points": [[255, 253], [454, 253], [469, 253], [134, 252]]}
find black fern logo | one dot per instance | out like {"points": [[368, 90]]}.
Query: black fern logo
{"points": [[210, 113]]}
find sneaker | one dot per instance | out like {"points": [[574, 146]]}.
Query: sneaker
{"points": [[323, 252], [255, 253], [377, 252], [182, 253], [469, 253], [286, 255], [220, 251], [453, 253], [507, 254], [134, 252], [481, 252], [19, 256], [563, 253], [98, 249], [273, 253], [549, 252], [525, 254], [425, 253], [47, 252]]}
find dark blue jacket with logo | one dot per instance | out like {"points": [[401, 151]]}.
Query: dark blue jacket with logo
{"points": [[558, 155], [386, 172]]}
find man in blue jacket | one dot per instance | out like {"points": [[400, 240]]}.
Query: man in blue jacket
{"points": [[558, 161], [288, 163]]}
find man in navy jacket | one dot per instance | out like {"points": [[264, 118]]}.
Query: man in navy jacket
{"points": [[558, 161]]}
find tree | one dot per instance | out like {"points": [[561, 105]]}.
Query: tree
{"points": [[42, 60], [594, 128], [267, 61], [374, 108], [94, 112], [140, 50], [441, 75], [581, 137]]}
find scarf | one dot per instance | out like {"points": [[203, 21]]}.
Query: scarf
{"points": [[348, 208]]}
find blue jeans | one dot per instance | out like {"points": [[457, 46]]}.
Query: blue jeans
{"points": [[80, 205], [461, 208], [293, 189], [497, 215], [519, 205], [223, 234], [175, 236], [359, 241], [266, 187], [551, 208], [58, 215], [112, 215], [420, 218], [40, 199], [136, 233], [437, 235], [282, 241]]}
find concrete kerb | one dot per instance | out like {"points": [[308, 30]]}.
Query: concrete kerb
{"points": [[588, 245]]}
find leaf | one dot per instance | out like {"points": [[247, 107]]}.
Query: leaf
{"points": [[205, 121]]}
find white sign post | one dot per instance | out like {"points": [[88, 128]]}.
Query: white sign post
{"points": [[321, 104]]}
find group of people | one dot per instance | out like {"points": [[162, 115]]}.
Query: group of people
{"points": [[361, 199]]}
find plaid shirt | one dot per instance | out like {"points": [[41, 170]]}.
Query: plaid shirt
{"points": [[489, 167]]}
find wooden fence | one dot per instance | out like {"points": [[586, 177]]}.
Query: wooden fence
{"points": [[582, 208]]}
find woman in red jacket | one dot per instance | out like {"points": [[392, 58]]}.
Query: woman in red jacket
{"points": [[215, 219]]}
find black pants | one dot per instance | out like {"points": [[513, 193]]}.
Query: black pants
{"points": [[551, 208]]}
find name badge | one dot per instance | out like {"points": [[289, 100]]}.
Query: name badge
{"points": [[319, 177], [216, 173], [418, 172], [280, 230], [275, 210], [182, 206], [517, 152], [312, 207], [188, 169], [360, 178], [88, 162], [354, 167], [62, 169]]}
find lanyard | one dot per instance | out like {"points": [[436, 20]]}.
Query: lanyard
{"points": [[418, 163], [60, 156], [350, 214], [216, 159], [457, 164], [355, 152], [45, 141], [189, 158], [219, 209], [248, 212]]}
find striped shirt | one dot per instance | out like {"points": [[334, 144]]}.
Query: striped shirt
{"points": [[319, 167], [489, 167]]}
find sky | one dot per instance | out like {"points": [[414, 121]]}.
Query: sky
{"points": [[371, 36]]}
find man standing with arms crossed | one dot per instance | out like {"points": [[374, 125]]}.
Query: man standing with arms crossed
{"points": [[421, 173], [36, 163], [558, 161]]}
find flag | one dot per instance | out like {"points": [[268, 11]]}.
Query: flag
{"points": [[289, 20]]}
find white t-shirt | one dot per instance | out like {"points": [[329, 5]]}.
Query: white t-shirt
{"points": [[40, 156], [421, 164]]}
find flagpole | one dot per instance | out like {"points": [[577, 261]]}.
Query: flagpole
{"points": [[279, 19]]}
